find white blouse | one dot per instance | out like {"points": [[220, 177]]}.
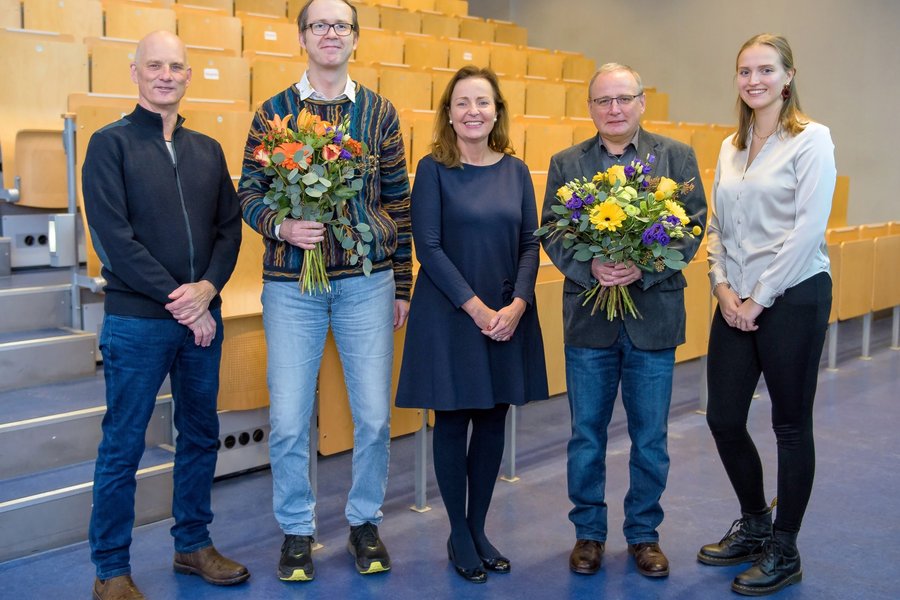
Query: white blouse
{"points": [[766, 229]]}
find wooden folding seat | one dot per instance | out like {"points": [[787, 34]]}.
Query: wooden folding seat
{"points": [[514, 91], [41, 69], [539, 181], [111, 65], [577, 99], [698, 309], [517, 138], [405, 87], [365, 74], [367, 15], [400, 20], [271, 75], [708, 178], [420, 124], [857, 279], [228, 127], [839, 202], [842, 234], [274, 8], [10, 14], [417, 4], [440, 25], [225, 7], [458, 8], [578, 66], [545, 63], [544, 97], [219, 77], [129, 21], [706, 141], [439, 80], [273, 36], [549, 299], [657, 106], [544, 137], [583, 128], [379, 46], [464, 52], [506, 32], [886, 282], [80, 18], [476, 29], [870, 231], [670, 130], [425, 51], [508, 60], [209, 30], [41, 168], [895, 226]]}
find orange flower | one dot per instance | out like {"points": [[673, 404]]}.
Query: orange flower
{"points": [[331, 152], [320, 127], [279, 124], [289, 149], [307, 121], [353, 146]]}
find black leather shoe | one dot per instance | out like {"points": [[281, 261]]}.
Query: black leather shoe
{"points": [[649, 558], [367, 548], [296, 563], [475, 575], [743, 542], [497, 564], [586, 556], [777, 568]]}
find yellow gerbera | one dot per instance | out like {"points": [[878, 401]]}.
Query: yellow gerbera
{"points": [[677, 211], [607, 216]]}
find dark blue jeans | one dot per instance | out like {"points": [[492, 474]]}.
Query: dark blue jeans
{"points": [[138, 353], [593, 376]]}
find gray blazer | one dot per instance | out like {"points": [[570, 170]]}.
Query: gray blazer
{"points": [[659, 297]]}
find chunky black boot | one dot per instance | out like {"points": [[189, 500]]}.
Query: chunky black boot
{"points": [[778, 567], [743, 542]]}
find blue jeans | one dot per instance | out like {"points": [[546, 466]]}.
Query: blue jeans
{"points": [[593, 376], [360, 311], [138, 353]]}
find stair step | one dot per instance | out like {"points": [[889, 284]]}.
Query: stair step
{"points": [[36, 307], [52, 508], [29, 358]]}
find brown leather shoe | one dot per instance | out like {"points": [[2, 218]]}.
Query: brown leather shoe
{"points": [[211, 566], [117, 588], [649, 559], [586, 557]]}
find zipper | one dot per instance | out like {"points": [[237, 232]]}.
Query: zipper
{"points": [[187, 222]]}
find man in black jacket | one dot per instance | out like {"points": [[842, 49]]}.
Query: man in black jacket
{"points": [[165, 222]]}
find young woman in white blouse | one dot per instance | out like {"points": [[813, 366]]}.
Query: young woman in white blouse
{"points": [[769, 270]]}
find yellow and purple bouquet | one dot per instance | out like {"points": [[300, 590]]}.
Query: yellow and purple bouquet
{"points": [[314, 170], [622, 215]]}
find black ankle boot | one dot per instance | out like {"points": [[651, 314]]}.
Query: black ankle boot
{"points": [[742, 543], [778, 567]]}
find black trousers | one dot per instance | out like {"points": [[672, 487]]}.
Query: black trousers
{"points": [[786, 350]]}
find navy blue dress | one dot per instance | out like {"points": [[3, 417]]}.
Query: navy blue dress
{"points": [[472, 230]]}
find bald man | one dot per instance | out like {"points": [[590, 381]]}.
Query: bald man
{"points": [[165, 222]]}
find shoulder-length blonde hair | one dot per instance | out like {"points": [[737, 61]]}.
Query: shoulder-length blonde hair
{"points": [[792, 119], [443, 145]]}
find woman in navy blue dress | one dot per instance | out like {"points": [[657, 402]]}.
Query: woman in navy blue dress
{"points": [[473, 343]]}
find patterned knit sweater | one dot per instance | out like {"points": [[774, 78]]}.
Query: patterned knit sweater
{"points": [[383, 203]]}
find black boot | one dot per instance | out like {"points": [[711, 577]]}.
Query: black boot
{"points": [[743, 542], [778, 567]]}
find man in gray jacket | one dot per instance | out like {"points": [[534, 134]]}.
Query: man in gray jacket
{"points": [[639, 353]]}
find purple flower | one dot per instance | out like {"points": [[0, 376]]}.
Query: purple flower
{"points": [[647, 169], [664, 239], [345, 154], [651, 159], [574, 202], [338, 136], [645, 183], [589, 199], [576, 214], [629, 171], [672, 220], [652, 234]]}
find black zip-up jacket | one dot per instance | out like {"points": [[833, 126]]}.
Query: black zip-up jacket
{"points": [[155, 222]]}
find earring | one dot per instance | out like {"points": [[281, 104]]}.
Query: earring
{"points": [[495, 119], [450, 121], [786, 92]]}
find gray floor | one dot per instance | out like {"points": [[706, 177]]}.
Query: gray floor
{"points": [[850, 542]]}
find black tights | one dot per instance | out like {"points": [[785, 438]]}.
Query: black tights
{"points": [[786, 349], [458, 470]]}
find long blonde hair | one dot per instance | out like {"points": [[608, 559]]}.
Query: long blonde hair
{"points": [[791, 119], [443, 146]]}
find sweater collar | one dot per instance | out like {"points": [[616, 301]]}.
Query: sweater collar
{"points": [[147, 118]]}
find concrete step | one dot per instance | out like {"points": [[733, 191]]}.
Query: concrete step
{"points": [[29, 358], [52, 508]]}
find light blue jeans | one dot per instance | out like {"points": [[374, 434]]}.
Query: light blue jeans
{"points": [[360, 311]]}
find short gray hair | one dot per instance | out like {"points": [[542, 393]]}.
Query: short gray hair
{"points": [[612, 67]]}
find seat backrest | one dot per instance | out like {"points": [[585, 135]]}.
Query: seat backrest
{"points": [[379, 46], [476, 29], [506, 32], [274, 8], [545, 63], [857, 278], [508, 60], [405, 87], [209, 29], [886, 285], [271, 75], [842, 234], [219, 77], [278, 36], [440, 25], [228, 127], [840, 202], [400, 20], [466, 52], [543, 97], [80, 18], [128, 21], [425, 51]]}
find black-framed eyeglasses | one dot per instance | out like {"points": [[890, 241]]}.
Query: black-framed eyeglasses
{"points": [[606, 101], [320, 28]]}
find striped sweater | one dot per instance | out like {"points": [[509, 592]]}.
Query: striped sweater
{"points": [[383, 203]]}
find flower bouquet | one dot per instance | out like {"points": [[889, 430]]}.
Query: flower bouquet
{"points": [[622, 215], [314, 169]]}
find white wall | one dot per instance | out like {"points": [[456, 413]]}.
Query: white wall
{"points": [[847, 55]]}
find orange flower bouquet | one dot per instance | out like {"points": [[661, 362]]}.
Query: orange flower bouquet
{"points": [[314, 169]]}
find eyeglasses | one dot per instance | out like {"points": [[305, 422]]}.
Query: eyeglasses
{"points": [[320, 28], [606, 102]]}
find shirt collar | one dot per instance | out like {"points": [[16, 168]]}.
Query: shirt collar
{"points": [[307, 91], [633, 143]]}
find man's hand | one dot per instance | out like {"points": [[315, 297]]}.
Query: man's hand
{"points": [[610, 273], [204, 329], [401, 311], [303, 234], [190, 301]]}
